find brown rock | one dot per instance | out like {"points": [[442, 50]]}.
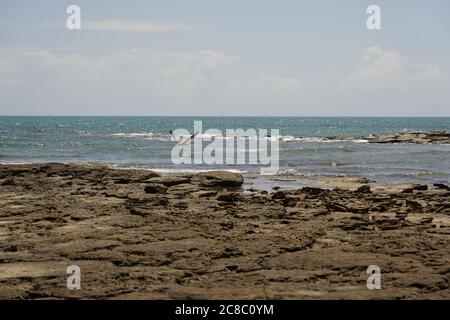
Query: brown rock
{"points": [[412, 137], [193, 245], [169, 181], [334, 206], [183, 189], [363, 189], [226, 196], [118, 193], [147, 199], [312, 191], [218, 179], [155, 188], [442, 186], [7, 182], [204, 194]]}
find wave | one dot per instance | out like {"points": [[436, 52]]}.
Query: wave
{"points": [[412, 174], [323, 139], [319, 150], [291, 172], [172, 171], [141, 135], [208, 136], [288, 172], [176, 171]]}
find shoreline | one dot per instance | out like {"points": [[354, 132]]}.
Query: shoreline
{"points": [[253, 180], [138, 235]]}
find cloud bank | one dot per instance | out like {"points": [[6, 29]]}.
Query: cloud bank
{"points": [[145, 82]]}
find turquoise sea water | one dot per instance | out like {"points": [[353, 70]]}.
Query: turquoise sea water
{"points": [[144, 142]]}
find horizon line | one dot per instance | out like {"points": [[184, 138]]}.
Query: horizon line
{"points": [[234, 116]]}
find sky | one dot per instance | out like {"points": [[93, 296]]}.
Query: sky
{"points": [[225, 58]]}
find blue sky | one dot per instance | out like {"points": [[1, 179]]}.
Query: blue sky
{"points": [[225, 58]]}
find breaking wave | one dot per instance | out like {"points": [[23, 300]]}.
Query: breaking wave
{"points": [[207, 136]]}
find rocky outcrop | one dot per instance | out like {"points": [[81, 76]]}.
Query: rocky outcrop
{"points": [[438, 137], [169, 181], [218, 179], [193, 237], [155, 188]]}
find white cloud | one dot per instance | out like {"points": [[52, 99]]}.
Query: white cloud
{"points": [[37, 81], [377, 64]]}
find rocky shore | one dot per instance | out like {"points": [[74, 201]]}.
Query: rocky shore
{"points": [[437, 137], [433, 137], [137, 235]]}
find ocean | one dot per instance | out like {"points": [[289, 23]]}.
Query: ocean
{"points": [[144, 142]]}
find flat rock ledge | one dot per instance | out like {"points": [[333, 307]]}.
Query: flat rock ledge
{"points": [[436, 137], [433, 137], [138, 235]]}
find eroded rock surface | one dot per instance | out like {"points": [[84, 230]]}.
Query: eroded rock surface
{"points": [[412, 137], [137, 235], [434, 137]]}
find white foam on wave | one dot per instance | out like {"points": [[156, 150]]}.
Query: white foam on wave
{"points": [[173, 170], [210, 137], [287, 172], [283, 172], [327, 140], [133, 135], [191, 171]]}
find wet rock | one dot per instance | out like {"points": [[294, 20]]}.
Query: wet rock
{"points": [[364, 189], [417, 187], [312, 191], [442, 186], [414, 205], [155, 188], [291, 200], [278, 195], [218, 179]]}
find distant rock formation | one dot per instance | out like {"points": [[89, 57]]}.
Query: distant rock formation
{"points": [[439, 137]]}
